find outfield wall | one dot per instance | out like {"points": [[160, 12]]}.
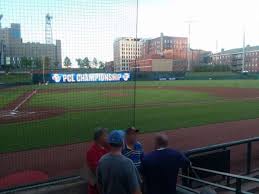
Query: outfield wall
{"points": [[37, 77], [151, 76], [148, 76], [218, 76]]}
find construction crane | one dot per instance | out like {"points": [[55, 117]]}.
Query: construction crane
{"points": [[48, 29]]}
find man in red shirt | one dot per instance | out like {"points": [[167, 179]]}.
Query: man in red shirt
{"points": [[94, 154]]}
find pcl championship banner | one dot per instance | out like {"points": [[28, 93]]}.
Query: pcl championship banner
{"points": [[89, 77]]}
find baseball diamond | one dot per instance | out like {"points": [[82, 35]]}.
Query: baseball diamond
{"points": [[64, 116], [65, 106]]}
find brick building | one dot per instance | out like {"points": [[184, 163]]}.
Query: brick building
{"points": [[158, 64], [234, 58], [159, 45], [164, 53]]}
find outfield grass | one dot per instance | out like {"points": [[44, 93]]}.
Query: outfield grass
{"points": [[73, 127], [88, 99], [15, 78], [193, 83], [205, 83], [7, 97], [78, 127]]}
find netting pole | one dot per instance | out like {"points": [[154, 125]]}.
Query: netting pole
{"points": [[135, 69]]}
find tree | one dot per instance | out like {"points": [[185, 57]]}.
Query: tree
{"points": [[23, 62], [95, 63], [80, 63], [67, 62], [26, 62], [101, 65], [56, 65], [37, 62], [47, 62], [86, 63]]}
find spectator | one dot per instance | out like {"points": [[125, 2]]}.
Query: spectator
{"points": [[160, 167], [117, 174], [94, 154], [132, 149]]}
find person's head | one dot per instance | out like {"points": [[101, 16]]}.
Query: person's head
{"points": [[131, 135], [161, 141], [101, 136], [115, 140]]}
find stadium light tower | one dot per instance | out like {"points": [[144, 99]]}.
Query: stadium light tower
{"points": [[244, 47], [48, 29], [189, 22], [1, 17]]}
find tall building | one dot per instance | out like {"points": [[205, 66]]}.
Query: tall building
{"points": [[12, 48], [2, 52], [15, 31], [234, 58], [125, 51]]}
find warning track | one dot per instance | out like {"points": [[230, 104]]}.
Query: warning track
{"points": [[68, 159]]}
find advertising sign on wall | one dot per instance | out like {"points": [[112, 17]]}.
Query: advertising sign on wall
{"points": [[89, 77]]}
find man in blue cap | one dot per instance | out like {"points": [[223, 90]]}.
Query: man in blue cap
{"points": [[116, 174]]}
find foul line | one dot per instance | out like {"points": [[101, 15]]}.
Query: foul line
{"points": [[24, 101]]}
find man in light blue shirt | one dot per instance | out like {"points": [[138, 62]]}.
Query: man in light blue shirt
{"points": [[132, 149]]}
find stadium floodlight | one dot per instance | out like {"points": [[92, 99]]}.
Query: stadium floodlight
{"points": [[244, 45], [48, 29], [189, 22]]}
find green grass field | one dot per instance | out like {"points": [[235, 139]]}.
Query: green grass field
{"points": [[105, 98], [15, 78], [173, 109]]}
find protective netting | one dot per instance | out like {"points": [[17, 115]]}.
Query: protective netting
{"points": [[69, 67], [58, 83]]}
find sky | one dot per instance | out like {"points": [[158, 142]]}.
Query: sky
{"points": [[87, 28]]}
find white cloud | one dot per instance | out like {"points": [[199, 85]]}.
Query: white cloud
{"points": [[221, 20]]}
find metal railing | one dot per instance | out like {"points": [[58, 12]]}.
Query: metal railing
{"points": [[238, 180], [38, 185], [224, 146]]}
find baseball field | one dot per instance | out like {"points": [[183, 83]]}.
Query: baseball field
{"points": [[37, 116]]}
